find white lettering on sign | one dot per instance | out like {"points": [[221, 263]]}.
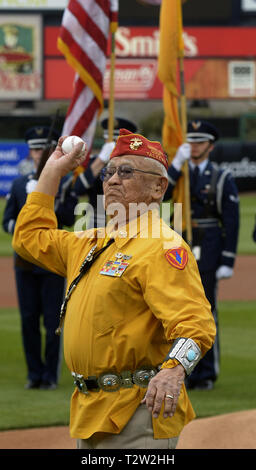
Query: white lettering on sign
{"points": [[142, 45], [190, 45], [9, 170], [9, 155], [133, 77], [136, 46], [245, 168]]}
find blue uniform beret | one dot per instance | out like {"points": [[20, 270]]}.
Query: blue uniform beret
{"points": [[37, 137], [119, 123]]}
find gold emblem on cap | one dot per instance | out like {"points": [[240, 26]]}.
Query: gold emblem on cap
{"points": [[196, 125], [135, 143]]}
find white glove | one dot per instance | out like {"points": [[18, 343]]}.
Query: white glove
{"points": [[224, 272], [183, 153], [106, 151], [31, 186]]}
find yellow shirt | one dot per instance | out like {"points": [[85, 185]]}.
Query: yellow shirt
{"points": [[119, 323]]}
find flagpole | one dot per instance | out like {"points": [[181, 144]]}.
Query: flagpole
{"points": [[111, 89], [183, 117]]}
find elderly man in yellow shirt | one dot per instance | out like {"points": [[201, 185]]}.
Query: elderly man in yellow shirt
{"points": [[136, 319]]}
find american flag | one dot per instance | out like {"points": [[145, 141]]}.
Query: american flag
{"points": [[83, 41]]}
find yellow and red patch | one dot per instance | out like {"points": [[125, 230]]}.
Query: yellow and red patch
{"points": [[177, 257]]}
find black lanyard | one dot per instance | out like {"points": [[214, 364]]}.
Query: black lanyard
{"points": [[87, 263]]}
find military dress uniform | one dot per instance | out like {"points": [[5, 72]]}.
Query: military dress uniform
{"points": [[40, 292], [215, 226], [36, 138]]}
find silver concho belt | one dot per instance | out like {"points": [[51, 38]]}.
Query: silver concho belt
{"points": [[111, 382]]}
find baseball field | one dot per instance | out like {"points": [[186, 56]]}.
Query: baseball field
{"points": [[226, 415]]}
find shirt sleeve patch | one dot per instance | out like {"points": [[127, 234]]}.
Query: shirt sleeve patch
{"points": [[177, 257]]}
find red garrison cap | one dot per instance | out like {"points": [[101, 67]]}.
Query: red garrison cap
{"points": [[135, 144]]}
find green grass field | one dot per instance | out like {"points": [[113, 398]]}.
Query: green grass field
{"points": [[22, 408], [234, 390], [246, 245]]}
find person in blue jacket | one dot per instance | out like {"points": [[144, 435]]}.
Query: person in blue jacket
{"points": [[40, 292], [215, 227]]}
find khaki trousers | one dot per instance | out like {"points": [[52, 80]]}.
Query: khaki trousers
{"points": [[137, 434]]}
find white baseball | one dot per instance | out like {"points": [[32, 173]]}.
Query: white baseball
{"points": [[70, 142]]}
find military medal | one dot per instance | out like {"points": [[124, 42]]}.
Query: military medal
{"points": [[116, 268], [122, 256]]}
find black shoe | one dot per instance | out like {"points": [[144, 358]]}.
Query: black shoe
{"points": [[32, 384], [48, 386], [204, 385]]}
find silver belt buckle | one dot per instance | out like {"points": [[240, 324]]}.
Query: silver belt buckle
{"points": [[80, 383], [142, 377], [109, 382]]}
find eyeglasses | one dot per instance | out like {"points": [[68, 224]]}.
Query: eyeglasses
{"points": [[124, 172]]}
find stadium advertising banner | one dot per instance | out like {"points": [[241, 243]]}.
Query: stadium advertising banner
{"points": [[219, 64], [20, 57], [11, 155]]}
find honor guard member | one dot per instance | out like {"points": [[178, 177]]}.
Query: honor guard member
{"points": [[89, 183], [40, 292], [215, 226], [135, 315], [36, 139]]}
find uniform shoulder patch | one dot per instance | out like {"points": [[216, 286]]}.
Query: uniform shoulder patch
{"points": [[177, 257]]}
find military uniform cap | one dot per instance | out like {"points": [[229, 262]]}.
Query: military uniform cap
{"points": [[201, 131], [119, 123], [129, 143], [37, 137]]}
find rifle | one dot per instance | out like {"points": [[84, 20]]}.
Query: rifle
{"points": [[48, 148]]}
